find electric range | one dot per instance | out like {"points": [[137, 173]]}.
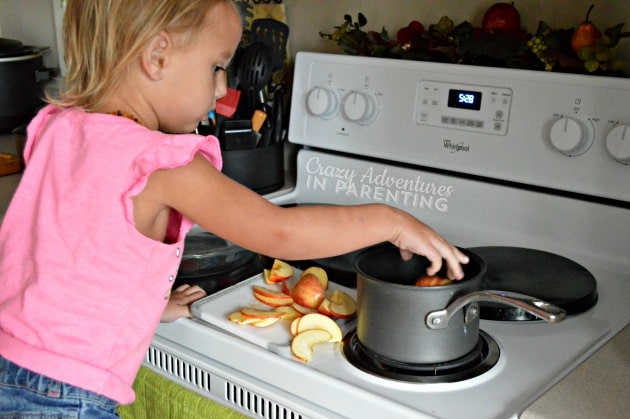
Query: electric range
{"points": [[489, 158]]}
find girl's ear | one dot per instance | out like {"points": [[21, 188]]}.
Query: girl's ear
{"points": [[155, 56]]}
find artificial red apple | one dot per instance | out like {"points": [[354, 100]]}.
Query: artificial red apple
{"points": [[501, 17], [303, 343], [308, 291], [280, 271], [342, 306], [320, 273], [319, 321], [271, 297]]}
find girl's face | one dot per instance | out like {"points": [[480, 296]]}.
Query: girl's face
{"points": [[197, 76]]}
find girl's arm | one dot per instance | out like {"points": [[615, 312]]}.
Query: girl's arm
{"points": [[229, 210]]}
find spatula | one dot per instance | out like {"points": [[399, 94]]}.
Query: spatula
{"points": [[274, 34]]}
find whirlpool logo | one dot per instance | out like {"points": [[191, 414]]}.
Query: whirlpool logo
{"points": [[455, 147]]}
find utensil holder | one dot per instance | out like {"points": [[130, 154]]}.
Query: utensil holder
{"points": [[260, 169]]}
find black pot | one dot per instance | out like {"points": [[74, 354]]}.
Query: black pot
{"points": [[22, 79], [426, 325]]}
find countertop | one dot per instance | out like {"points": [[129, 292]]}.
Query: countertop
{"points": [[598, 388]]}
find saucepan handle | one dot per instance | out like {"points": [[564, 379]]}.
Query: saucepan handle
{"points": [[439, 319]]}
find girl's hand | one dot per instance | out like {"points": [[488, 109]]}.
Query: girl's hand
{"points": [[416, 237], [181, 298]]}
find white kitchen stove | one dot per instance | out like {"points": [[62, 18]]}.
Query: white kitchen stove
{"points": [[527, 159]]}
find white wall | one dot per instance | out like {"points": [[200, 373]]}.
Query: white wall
{"points": [[32, 21]]}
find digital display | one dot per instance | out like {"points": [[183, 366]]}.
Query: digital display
{"points": [[464, 99]]}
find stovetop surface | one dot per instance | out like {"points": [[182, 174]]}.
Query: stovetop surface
{"points": [[533, 357]]}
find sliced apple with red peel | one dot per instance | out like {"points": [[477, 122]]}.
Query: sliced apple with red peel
{"points": [[285, 288], [266, 322], [271, 297], [266, 273], [301, 309], [324, 307], [342, 305], [288, 312], [280, 271], [320, 273], [319, 321], [260, 314], [308, 291], [240, 318], [303, 343]]}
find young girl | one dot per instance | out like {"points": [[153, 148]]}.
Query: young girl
{"points": [[94, 235]]}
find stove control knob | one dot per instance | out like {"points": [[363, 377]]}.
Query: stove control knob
{"points": [[360, 108], [323, 103], [618, 143], [569, 136]]}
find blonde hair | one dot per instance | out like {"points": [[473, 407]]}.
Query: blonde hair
{"points": [[101, 38]]}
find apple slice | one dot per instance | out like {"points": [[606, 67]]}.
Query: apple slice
{"points": [[259, 314], [280, 271], [342, 305], [266, 273], [303, 343], [319, 273], [271, 297], [294, 325], [240, 318], [301, 309], [308, 291], [288, 312], [266, 322], [324, 307], [319, 321], [285, 288], [432, 281]]}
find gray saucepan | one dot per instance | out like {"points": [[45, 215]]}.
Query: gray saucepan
{"points": [[425, 325]]}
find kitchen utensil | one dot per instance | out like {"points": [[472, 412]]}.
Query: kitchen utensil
{"points": [[274, 34], [257, 122], [254, 73], [228, 104], [423, 325], [277, 112]]}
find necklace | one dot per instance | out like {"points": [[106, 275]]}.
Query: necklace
{"points": [[126, 115]]}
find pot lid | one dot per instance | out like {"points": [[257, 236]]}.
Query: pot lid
{"points": [[14, 48], [207, 254], [548, 276]]}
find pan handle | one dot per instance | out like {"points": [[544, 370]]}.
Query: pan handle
{"points": [[439, 319]]}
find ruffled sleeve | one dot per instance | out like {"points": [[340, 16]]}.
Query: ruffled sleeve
{"points": [[35, 127], [169, 152]]}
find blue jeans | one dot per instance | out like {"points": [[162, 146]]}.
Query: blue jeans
{"points": [[25, 394]]}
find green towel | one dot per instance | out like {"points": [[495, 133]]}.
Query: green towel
{"points": [[160, 398]]}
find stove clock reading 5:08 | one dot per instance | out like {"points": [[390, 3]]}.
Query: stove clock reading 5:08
{"points": [[464, 107], [464, 99]]}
